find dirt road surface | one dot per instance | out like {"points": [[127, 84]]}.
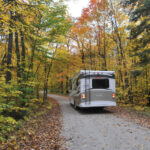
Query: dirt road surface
{"points": [[94, 129]]}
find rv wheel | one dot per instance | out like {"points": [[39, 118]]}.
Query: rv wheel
{"points": [[75, 106]]}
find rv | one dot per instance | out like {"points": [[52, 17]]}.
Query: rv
{"points": [[93, 89]]}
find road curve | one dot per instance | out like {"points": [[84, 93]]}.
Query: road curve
{"points": [[100, 130]]}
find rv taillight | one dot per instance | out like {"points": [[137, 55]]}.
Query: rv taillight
{"points": [[113, 95], [83, 96]]}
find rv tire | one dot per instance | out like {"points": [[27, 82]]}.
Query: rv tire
{"points": [[75, 106]]}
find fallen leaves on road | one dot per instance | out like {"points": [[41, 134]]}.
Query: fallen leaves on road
{"points": [[131, 115]]}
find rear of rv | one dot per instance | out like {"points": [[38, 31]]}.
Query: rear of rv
{"points": [[98, 90]]}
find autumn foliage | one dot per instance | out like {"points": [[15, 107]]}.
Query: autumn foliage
{"points": [[42, 47], [30, 32]]}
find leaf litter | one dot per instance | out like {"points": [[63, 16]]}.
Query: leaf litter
{"points": [[131, 116], [40, 132]]}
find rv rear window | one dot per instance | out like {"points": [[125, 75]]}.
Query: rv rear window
{"points": [[100, 83]]}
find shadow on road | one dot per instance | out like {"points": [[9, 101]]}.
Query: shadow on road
{"points": [[88, 111], [95, 110]]}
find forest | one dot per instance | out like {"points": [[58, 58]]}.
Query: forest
{"points": [[42, 47]]}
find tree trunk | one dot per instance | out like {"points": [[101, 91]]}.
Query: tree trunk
{"points": [[99, 50], [91, 60], [61, 87], [67, 84], [18, 56], [45, 92], [23, 53], [4, 58], [37, 91], [104, 56], [47, 73], [9, 55], [32, 55]]}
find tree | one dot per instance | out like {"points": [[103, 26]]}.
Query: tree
{"points": [[30, 32], [141, 27], [139, 35]]}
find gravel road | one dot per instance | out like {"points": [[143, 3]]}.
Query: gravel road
{"points": [[100, 130]]}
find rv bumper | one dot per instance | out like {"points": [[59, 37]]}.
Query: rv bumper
{"points": [[97, 104]]}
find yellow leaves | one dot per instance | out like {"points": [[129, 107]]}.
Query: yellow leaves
{"points": [[49, 107], [61, 39], [9, 148], [12, 145], [4, 18], [35, 100], [7, 91], [139, 108], [8, 120], [11, 94], [18, 109], [124, 105], [30, 132]]}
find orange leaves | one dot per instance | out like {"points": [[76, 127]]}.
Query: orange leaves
{"points": [[83, 30], [93, 1], [85, 15], [97, 2], [60, 76], [91, 18], [97, 6], [80, 29], [75, 28]]}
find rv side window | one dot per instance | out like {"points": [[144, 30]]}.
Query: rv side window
{"points": [[75, 84], [100, 83]]}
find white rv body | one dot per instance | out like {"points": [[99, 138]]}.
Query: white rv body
{"points": [[93, 89]]}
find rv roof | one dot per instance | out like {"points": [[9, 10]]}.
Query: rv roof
{"points": [[91, 72], [84, 73]]}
